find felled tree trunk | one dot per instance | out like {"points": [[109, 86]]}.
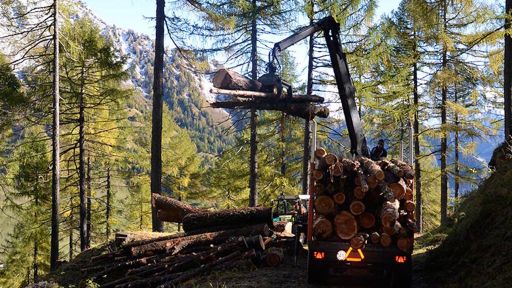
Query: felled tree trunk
{"points": [[345, 225], [302, 110], [227, 218], [227, 79], [322, 227], [172, 210]]}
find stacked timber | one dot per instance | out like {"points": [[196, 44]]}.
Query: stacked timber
{"points": [[212, 241], [361, 201]]}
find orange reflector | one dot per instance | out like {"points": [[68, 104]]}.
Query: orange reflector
{"points": [[318, 255], [400, 259], [354, 256]]}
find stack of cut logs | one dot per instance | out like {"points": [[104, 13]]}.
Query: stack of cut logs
{"points": [[212, 240], [363, 201]]}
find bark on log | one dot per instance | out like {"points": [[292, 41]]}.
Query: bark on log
{"points": [[372, 182], [174, 210], [336, 169], [398, 189], [371, 168], [303, 110], [322, 228], [324, 205], [345, 225], [227, 79], [174, 246], [385, 240], [362, 180], [320, 153], [375, 237], [349, 165], [407, 170], [410, 206], [389, 213], [274, 256], [228, 217], [357, 207], [393, 229], [358, 193], [339, 198], [357, 242], [390, 166], [409, 196], [366, 220]]}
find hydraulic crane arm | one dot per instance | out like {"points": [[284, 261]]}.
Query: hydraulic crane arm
{"points": [[341, 73]]}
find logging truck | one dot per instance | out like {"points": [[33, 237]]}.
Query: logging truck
{"points": [[360, 221]]}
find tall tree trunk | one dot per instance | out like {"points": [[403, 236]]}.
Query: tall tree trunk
{"points": [[107, 208], [35, 264], [81, 165], [253, 173], [156, 131], [283, 142], [444, 146], [456, 172], [416, 128], [307, 123], [71, 219], [54, 246], [401, 148], [89, 202], [507, 72]]}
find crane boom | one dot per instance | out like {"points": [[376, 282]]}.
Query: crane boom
{"points": [[346, 89]]}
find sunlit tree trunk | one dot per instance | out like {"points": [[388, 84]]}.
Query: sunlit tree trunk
{"points": [[507, 71], [253, 167]]}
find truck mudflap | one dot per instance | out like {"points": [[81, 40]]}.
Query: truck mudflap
{"points": [[371, 266]]}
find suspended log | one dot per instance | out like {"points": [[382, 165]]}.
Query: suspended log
{"points": [[322, 228], [324, 205], [274, 256], [371, 168], [339, 198], [296, 98], [345, 225], [228, 217], [357, 242], [171, 210], [303, 110], [385, 240], [227, 79], [366, 220], [357, 207], [398, 188]]}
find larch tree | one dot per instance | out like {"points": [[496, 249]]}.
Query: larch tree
{"points": [[507, 70]]}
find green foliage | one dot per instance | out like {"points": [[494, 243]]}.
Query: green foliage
{"points": [[12, 99]]}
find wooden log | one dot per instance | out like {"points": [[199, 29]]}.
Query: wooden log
{"points": [[228, 217], [174, 210], [399, 189], [389, 213], [410, 206], [393, 229], [407, 170], [345, 225], [330, 159], [317, 174], [302, 110], [274, 256], [296, 98], [358, 193], [404, 244], [357, 242], [176, 245], [375, 237], [228, 79], [357, 207], [320, 153], [324, 205], [372, 182], [385, 240], [339, 198], [390, 166], [322, 228], [336, 170], [319, 189], [349, 165], [371, 168], [362, 180], [409, 194], [366, 220]]}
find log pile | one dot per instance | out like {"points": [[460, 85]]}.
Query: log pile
{"points": [[213, 240], [362, 201]]}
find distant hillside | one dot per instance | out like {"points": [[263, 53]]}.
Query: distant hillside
{"points": [[185, 92]]}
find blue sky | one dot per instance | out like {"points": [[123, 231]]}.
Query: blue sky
{"points": [[130, 14]]}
